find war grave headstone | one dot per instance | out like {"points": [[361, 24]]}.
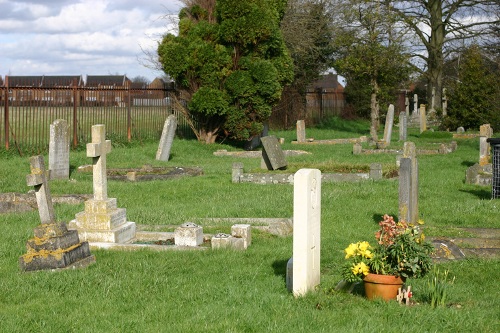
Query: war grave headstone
{"points": [[59, 144], [102, 221], [301, 131], [389, 122], [54, 246], [272, 154], [408, 184], [167, 138], [303, 269], [403, 126]]}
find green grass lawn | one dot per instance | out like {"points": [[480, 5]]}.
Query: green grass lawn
{"points": [[245, 291]]}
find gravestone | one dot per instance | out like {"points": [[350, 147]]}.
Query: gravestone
{"points": [[59, 149], [445, 103], [301, 131], [408, 184], [403, 126], [167, 138], [54, 246], [407, 106], [485, 132], [272, 154], [415, 104], [102, 221], [460, 130], [304, 266], [389, 121], [423, 119]]}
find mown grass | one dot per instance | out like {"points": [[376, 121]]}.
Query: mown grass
{"points": [[226, 291]]}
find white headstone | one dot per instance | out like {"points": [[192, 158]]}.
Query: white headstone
{"points": [[306, 231], [167, 138], [389, 121], [59, 149]]}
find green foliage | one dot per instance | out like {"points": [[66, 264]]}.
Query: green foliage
{"points": [[439, 287], [473, 96], [233, 67]]}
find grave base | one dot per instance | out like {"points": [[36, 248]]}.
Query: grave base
{"points": [[121, 234], [75, 256]]}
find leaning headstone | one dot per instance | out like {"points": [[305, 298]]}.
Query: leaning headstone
{"points": [[301, 131], [167, 138], [305, 263], [408, 184], [59, 149], [485, 132], [102, 221], [273, 155], [389, 121], [54, 246], [423, 119], [403, 126]]}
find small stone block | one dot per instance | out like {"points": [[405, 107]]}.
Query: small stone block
{"points": [[243, 231], [188, 236]]}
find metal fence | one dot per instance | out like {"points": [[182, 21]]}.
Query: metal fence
{"points": [[129, 114]]}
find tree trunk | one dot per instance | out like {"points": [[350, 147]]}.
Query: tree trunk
{"points": [[374, 111], [435, 50]]}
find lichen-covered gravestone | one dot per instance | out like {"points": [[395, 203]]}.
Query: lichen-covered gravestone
{"points": [[102, 221], [54, 246]]}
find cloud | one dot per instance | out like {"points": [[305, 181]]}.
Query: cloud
{"points": [[58, 37]]}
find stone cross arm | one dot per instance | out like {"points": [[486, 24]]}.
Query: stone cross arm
{"points": [[38, 179]]}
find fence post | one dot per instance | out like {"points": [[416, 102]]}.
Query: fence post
{"points": [[129, 116], [75, 108], [6, 114]]}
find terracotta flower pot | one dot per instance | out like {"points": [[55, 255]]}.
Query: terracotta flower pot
{"points": [[382, 286]]}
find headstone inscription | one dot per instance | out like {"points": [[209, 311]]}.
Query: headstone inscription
{"points": [[408, 184], [301, 131], [389, 121], [54, 246], [303, 271], [59, 143], [167, 138], [272, 154], [102, 221]]}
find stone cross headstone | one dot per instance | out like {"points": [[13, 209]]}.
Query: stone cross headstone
{"points": [[167, 138], [415, 104], [301, 131], [403, 126], [272, 153], [59, 143], [38, 179], [445, 103], [485, 132], [54, 246], [423, 119], [408, 184], [305, 262], [102, 221], [389, 121]]}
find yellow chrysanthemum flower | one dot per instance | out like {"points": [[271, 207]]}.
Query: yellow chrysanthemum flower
{"points": [[360, 268], [350, 251], [363, 246]]}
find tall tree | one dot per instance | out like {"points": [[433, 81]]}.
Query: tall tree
{"points": [[369, 51], [231, 63], [441, 26]]}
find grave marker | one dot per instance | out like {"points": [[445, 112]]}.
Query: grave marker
{"points": [[59, 143], [445, 103], [102, 221], [423, 119], [403, 126], [54, 246], [167, 138], [389, 121], [305, 263], [273, 155], [415, 104], [301, 131], [408, 184], [485, 132]]}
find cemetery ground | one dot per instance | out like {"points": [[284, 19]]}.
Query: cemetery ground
{"points": [[245, 291]]}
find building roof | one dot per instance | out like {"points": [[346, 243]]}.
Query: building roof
{"points": [[106, 80], [24, 81], [61, 80]]}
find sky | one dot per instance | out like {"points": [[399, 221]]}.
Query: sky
{"points": [[82, 37]]}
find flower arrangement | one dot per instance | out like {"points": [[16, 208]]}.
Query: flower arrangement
{"points": [[400, 250]]}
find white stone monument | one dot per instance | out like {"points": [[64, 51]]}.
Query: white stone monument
{"points": [[167, 138], [59, 149], [389, 122]]}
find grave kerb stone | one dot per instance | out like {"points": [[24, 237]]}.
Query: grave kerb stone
{"points": [[38, 179], [306, 231], [59, 144], [167, 138], [98, 149]]}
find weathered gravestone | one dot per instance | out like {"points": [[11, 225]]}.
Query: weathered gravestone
{"points": [[389, 122], [415, 104], [167, 138], [408, 184], [445, 103], [59, 149], [54, 246], [485, 132], [301, 131], [303, 269], [102, 221], [403, 126], [272, 154], [423, 119]]}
